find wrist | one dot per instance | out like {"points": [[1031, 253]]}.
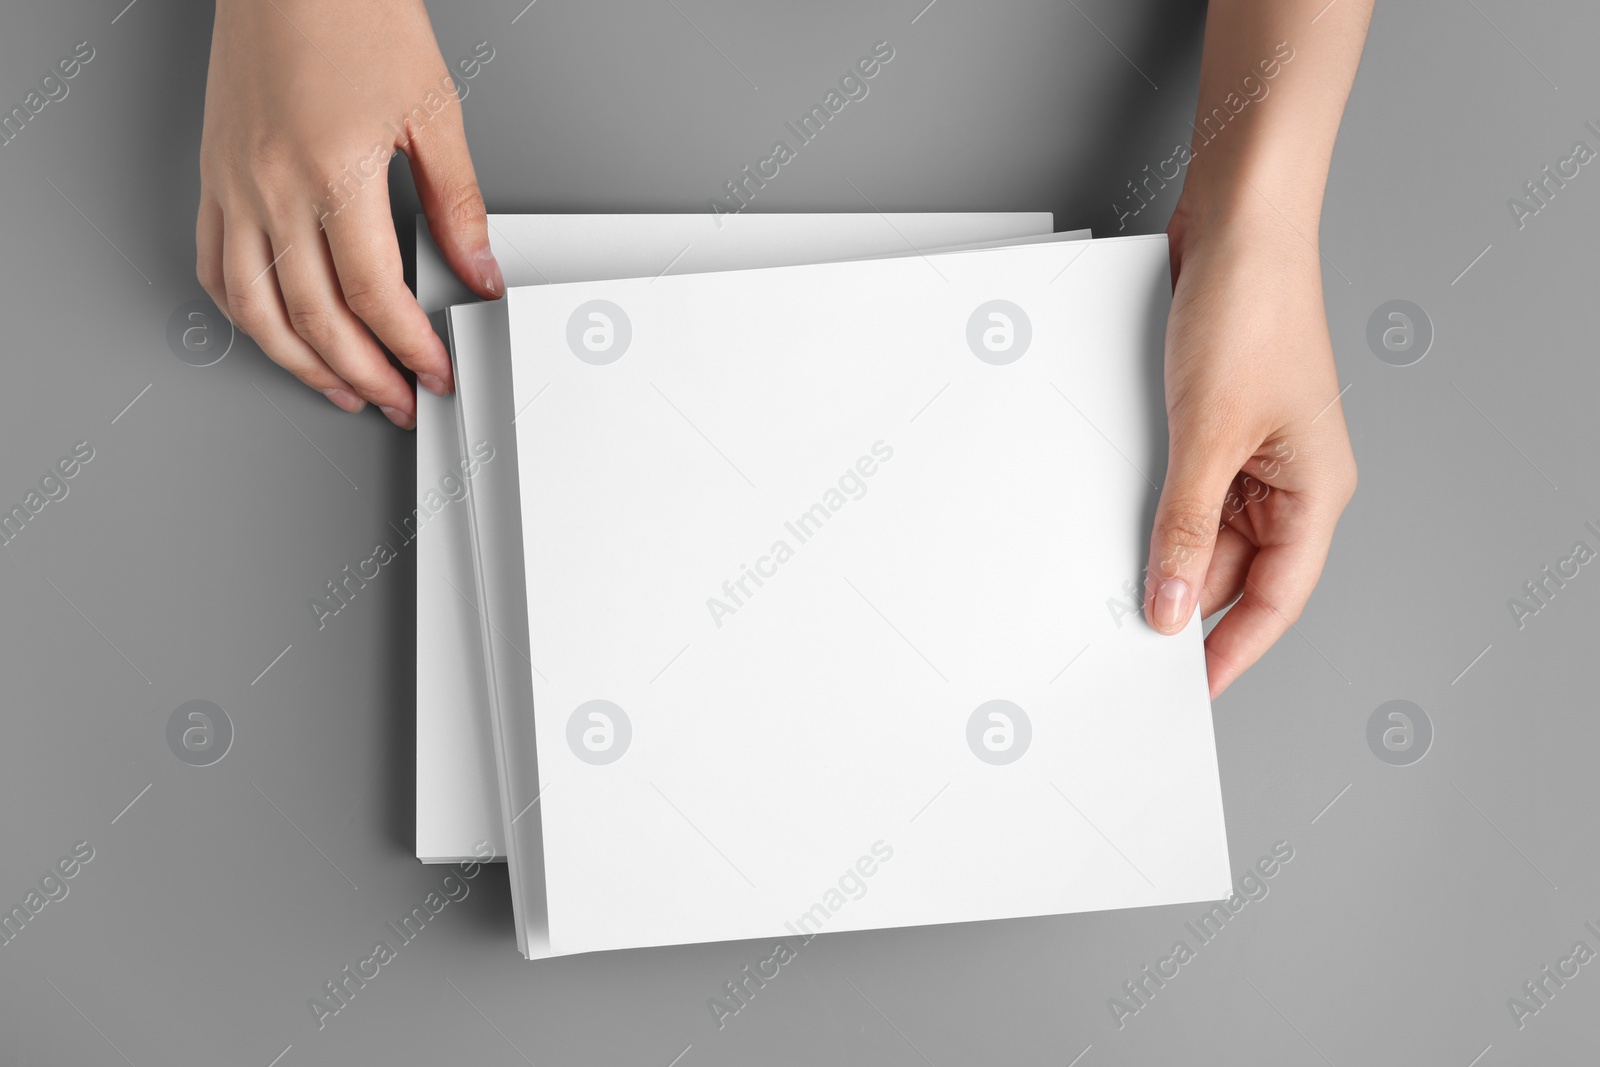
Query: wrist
{"points": [[1264, 179], [1258, 207]]}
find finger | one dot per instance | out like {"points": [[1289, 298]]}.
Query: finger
{"points": [[447, 185], [318, 314], [255, 306], [366, 255], [1199, 471], [1276, 589], [1230, 562], [208, 252], [1239, 505]]}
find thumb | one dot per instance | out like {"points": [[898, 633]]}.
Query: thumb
{"points": [[448, 188], [1185, 532]]}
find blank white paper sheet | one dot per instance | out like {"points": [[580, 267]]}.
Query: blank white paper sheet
{"points": [[822, 570], [457, 810]]}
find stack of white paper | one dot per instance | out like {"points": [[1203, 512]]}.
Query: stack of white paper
{"points": [[799, 592], [457, 814]]}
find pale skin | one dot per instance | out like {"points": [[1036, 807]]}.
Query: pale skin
{"points": [[303, 93], [1259, 464]]}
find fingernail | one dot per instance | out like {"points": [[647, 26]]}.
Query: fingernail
{"points": [[1170, 597], [433, 385], [344, 399], [489, 270], [399, 418]]}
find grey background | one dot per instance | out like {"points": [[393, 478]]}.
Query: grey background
{"points": [[181, 563]]}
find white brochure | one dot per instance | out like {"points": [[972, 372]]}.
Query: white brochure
{"points": [[457, 813], [826, 612]]}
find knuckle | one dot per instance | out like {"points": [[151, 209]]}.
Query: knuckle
{"points": [[337, 175], [1225, 664], [1349, 480], [370, 374], [257, 163], [314, 324], [308, 371], [1337, 483], [267, 154], [369, 295], [1188, 525], [378, 385], [1288, 614], [248, 312], [463, 203], [209, 273]]}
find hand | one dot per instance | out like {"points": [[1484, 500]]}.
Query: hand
{"points": [[1259, 464], [306, 102]]}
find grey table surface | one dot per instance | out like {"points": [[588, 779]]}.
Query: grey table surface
{"points": [[219, 899]]}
